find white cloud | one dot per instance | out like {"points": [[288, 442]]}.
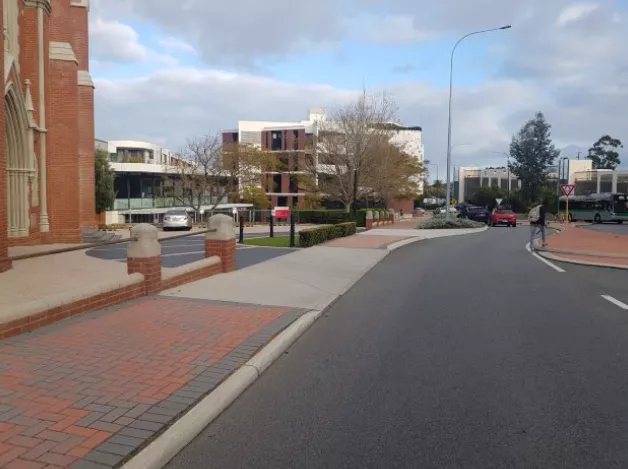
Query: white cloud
{"points": [[112, 41], [576, 12], [573, 70], [391, 29], [176, 45]]}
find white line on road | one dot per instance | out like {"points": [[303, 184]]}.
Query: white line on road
{"points": [[615, 301], [543, 260]]}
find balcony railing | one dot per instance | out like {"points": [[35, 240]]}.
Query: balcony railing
{"points": [[159, 202]]}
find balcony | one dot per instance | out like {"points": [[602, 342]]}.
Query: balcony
{"points": [[150, 203]]}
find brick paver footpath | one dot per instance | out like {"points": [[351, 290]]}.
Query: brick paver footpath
{"points": [[90, 392], [586, 241]]}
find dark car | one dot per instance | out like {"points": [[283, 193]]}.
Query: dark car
{"points": [[480, 214]]}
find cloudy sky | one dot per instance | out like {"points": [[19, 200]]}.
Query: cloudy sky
{"points": [[167, 70]]}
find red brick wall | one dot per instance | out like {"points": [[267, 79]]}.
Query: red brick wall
{"points": [[4, 242], [85, 115], [63, 130], [406, 205]]}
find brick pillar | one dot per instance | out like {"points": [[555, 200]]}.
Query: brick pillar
{"points": [[144, 256], [4, 241], [222, 242], [62, 155], [85, 112], [369, 220]]}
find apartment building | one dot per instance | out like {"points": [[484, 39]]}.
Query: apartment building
{"points": [[292, 143]]}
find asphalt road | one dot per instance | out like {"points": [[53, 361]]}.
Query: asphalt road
{"points": [[463, 352], [180, 251]]}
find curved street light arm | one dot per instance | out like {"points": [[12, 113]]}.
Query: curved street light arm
{"points": [[451, 82]]}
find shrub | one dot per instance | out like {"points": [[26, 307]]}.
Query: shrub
{"points": [[348, 229], [322, 217], [313, 236], [438, 223]]}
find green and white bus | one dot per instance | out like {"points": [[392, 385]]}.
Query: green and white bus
{"points": [[597, 208]]}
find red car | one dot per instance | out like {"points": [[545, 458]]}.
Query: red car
{"points": [[503, 216]]}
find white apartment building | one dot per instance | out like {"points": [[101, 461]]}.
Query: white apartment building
{"points": [[140, 170], [136, 151], [291, 136]]}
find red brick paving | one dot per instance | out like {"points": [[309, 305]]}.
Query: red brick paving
{"points": [[111, 365], [589, 241], [403, 224]]}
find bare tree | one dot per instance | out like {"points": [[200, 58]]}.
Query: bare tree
{"points": [[346, 145], [208, 171]]}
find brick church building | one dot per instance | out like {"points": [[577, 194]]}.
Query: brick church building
{"points": [[47, 147]]}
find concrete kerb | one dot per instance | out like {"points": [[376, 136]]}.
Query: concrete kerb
{"points": [[165, 447], [549, 255]]}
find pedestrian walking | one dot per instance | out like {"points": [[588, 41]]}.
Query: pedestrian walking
{"points": [[536, 217]]}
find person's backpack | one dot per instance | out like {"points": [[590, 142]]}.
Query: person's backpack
{"points": [[535, 214]]}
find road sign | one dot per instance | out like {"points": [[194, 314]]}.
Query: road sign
{"points": [[499, 201], [453, 202], [567, 189]]}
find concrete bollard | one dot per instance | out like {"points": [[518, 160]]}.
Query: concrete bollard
{"points": [[369, 220], [222, 242], [144, 256]]}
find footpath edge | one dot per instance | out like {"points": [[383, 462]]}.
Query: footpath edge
{"points": [[549, 255], [159, 452]]}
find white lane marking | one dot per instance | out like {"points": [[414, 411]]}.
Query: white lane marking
{"points": [[615, 301], [543, 260]]}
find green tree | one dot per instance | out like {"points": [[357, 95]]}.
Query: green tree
{"points": [[256, 196], [487, 196], [104, 182], [604, 153], [531, 152]]}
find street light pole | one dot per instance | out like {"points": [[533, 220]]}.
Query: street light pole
{"points": [[451, 83], [507, 155]]}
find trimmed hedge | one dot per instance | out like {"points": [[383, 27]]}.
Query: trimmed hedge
{"points": [[321, 234], [322, 217], [438, 223]]}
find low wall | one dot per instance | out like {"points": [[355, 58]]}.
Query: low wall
{"points": [[145, 277], [35, 314]]}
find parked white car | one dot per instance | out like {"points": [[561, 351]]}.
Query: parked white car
{"points": [[443, 210], [177, 220]]}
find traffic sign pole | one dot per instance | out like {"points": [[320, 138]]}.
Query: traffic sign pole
{"points": [[567, 190]]}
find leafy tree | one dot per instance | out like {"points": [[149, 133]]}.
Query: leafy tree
{"points": [[104, 177], [486, 197], [256, 196], [346, 148], [531, 152], [604, 153]]}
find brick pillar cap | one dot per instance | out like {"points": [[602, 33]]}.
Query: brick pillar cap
{"points": [[147, 243], [369, 215], [223, 224]]}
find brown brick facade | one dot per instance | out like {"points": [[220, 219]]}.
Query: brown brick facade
{"points": [[63, 135]]}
